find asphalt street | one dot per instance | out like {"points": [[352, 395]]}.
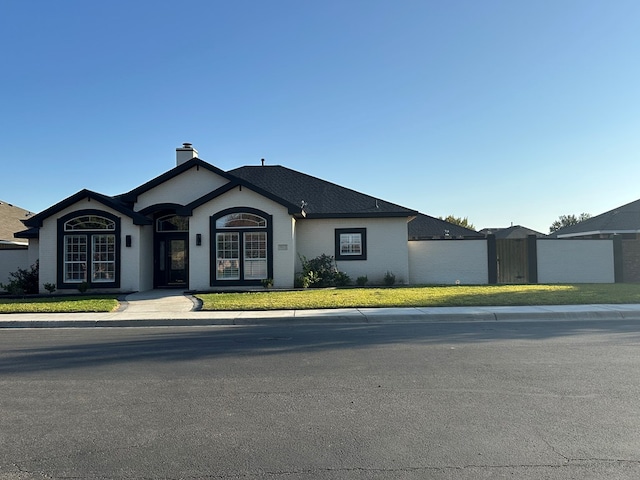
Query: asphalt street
{"points": [[464, 400]]}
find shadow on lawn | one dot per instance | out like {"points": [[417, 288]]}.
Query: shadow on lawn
{"points": [[68, 348]]}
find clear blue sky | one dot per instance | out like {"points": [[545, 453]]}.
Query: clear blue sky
{"points": [[499, 111]]}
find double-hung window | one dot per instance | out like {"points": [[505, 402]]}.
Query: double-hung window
{"points": [[351, 243]]}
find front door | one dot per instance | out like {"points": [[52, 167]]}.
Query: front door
{"points": [[171, 261]]}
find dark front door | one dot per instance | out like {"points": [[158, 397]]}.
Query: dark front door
{"points": [[171, 261]]}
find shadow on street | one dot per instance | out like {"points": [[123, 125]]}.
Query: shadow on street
{"points": [[58, 351]]}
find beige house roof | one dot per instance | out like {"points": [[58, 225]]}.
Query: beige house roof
{"points": [[10, 222]]}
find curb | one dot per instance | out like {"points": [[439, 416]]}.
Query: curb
{"points": [[315, 319]]}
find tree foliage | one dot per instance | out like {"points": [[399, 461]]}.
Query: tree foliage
{"points": [[567, 221], [463, 222]]}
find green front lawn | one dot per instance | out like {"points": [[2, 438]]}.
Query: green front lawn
{"points": [[80, 304], [427, 296]]}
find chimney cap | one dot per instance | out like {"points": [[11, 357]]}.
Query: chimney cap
{"points": [[187, 145]]}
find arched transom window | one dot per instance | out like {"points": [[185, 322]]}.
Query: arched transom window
{"points": [[241, 220], [89, 222], [172, 223]]}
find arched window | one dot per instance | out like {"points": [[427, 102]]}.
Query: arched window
{"points": [[89, 249], [172, 223], [89, 222], [241, 247], [241, 220]]}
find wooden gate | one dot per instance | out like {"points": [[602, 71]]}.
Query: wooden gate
{"points": [[512, 257]]}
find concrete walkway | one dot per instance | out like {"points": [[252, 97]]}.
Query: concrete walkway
{"points": [[174, 308]]}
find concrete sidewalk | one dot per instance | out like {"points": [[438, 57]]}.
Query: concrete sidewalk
{"points": [[174, 308]]}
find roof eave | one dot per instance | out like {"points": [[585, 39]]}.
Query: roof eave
{"points": [[596, 232]]}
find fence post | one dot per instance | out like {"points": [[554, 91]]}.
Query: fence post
{"points": [[532, 258], [618, 260], [492, 259]]}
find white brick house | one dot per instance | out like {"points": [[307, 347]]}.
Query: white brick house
{"points": [[197, 227]]}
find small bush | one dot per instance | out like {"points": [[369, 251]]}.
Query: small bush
{"points": [[319, 272], [24, 281], [389, 278], [342, 279], [50, 287], [362, 281], [267, 282], [83, 287]]}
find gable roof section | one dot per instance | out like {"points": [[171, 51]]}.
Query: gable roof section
{"points": [[238, 182], [425, 227], [514, 231], [115, 204], [624, 219], [132, 195], [11, 218], [318, 198]]}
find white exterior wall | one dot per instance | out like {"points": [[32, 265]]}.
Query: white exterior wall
{"points": [[575, 261], [183, 189], [11, 261], [283, 241], [48, 240], [34, 250], [443, 262], [145, 252], [387, 248], [130, 256]]}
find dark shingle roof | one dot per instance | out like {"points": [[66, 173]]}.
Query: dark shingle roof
{"points": [[11, 220], [425, 227], [321, 198], [116, 204], [622, 219], [514, 231]]}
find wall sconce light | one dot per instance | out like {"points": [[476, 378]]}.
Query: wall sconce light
{"points": [[198, 239], [127, 240]]}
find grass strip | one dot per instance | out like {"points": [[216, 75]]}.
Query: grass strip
{"points": [[98, 303], [426, 296]]}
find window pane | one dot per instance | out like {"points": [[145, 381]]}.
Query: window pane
{"points": [[255, 256], [350, 244], [103, 264], [172, 223], [89, 222], [241, 220], [75, 258], [228, 256]]}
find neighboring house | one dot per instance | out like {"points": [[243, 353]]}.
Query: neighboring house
{"points": [[198, 227], [425, 227], [622, 224], [14, 253], [514, 231], [624, 221], [11, 218]]}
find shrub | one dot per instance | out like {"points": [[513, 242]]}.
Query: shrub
{"points": [[50, 287], [83, 287], [321, 271], [362, 281], [389, 278], [342, 279], [24, 281]]}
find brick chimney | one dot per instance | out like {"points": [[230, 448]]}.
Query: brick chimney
{"points": [[185, 153]]}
